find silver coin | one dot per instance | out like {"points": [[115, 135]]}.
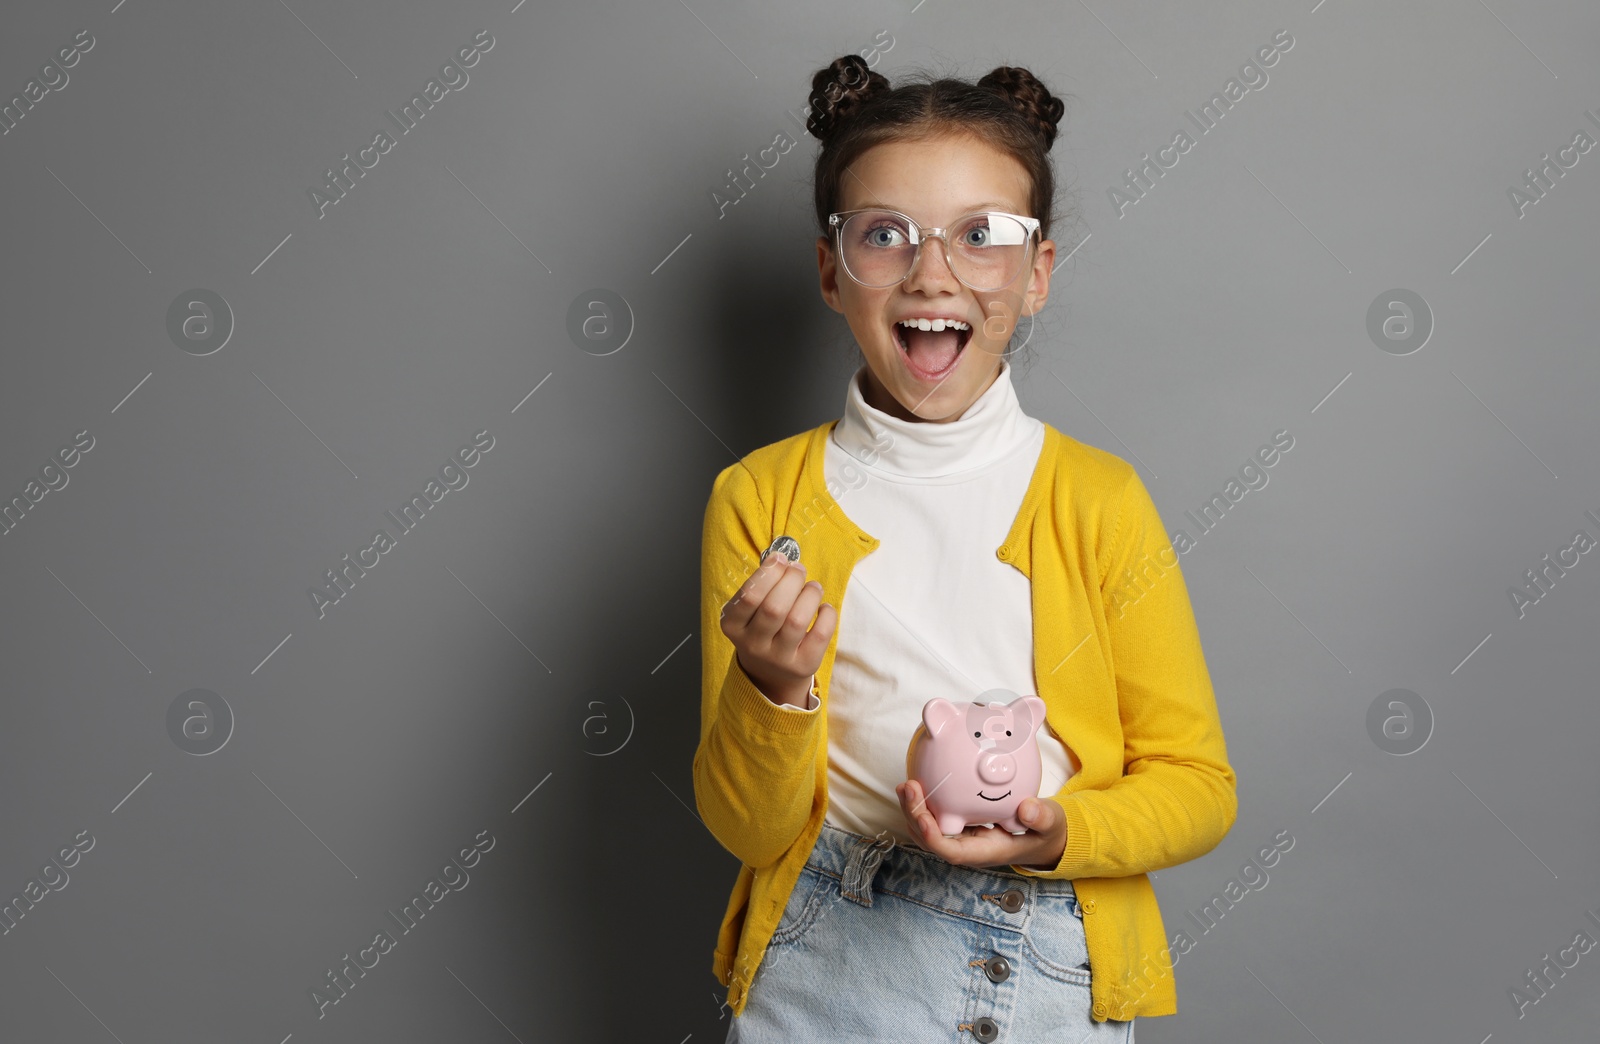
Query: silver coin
{"points": [[785, 545]]}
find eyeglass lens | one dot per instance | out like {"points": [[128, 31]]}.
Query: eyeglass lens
{"points": [[986, 250]]}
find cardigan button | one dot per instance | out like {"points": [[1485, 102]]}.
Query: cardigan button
{"points": [[986, 1029], [1100, 1009], [1011, 900], [1088, 906], [997, 968]]}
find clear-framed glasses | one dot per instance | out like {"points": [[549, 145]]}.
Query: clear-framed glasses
{"points": [[985, 249]]}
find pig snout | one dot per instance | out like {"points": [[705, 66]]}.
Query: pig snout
{"points": [[997, 769]]}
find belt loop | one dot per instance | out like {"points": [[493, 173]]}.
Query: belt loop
{"points": [[866, 855]]}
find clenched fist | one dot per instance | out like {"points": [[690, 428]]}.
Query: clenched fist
{"points": [[769, 621]]}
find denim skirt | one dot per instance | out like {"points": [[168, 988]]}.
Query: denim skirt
{"points": [[881, 942]]}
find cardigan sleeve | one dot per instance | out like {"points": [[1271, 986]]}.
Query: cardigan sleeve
{"points": [[754, 769], [1177, 797]]}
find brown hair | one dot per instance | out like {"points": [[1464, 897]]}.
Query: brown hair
{"points": [[854, 108]]}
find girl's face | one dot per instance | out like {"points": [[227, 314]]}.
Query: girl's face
{"points": [[934, 181]]}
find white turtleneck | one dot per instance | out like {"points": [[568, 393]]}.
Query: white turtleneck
{"points": [[931, 611]]}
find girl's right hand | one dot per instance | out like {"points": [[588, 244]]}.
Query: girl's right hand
{"points": [[769, 622]]}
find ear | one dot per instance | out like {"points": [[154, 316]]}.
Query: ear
{"points": [[937, 713], [828, 274], [1038, 292], [1036, 707]]}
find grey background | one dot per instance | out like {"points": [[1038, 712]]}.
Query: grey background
{"points": [[519, 664]]}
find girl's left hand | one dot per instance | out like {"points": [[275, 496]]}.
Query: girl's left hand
{"points": [[1039, 849]]}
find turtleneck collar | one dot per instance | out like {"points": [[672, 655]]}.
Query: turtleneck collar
{"points": [[992, 427]]}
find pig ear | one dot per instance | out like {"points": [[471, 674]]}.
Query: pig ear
{"points": [[938, 713], [1036, 708]]}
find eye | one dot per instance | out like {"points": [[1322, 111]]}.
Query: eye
{"points": [[976, 232], [1008, 732], [978, 734], [883, 234]]}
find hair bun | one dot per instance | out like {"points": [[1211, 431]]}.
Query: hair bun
{"points": [[1029, 97], [839, 90]]}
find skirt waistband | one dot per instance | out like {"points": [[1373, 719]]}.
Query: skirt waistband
{"points": [[996, 896]]}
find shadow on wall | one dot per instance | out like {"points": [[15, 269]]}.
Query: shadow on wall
{"points": [[776, 356]]}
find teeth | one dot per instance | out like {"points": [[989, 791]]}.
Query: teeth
{"points": [[935, 325]]}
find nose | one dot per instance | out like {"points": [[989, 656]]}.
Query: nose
{"points": [[997, 769], [930, 273]]}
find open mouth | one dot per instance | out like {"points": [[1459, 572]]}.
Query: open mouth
{"points": [[931, 347]]}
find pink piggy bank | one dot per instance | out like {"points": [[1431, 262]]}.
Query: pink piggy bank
{"points": [[977, 760]]}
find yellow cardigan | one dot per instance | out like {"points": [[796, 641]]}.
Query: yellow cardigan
{"points": [[1117, 661]]}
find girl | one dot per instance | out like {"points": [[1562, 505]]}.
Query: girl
{"points": [[978, 549]]}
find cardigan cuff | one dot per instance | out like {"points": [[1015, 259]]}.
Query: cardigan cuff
{"points": [[1076, 853], [751, 704]]}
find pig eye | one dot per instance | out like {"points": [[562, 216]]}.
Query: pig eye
{"points": [[1008, 732], [978, 734]]}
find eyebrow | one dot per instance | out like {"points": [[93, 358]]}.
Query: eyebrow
{"points": [[986, 205]]}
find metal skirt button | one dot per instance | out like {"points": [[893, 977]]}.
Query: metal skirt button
{"points": [[997, 968], [986, 1029], [1011, 900]]}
